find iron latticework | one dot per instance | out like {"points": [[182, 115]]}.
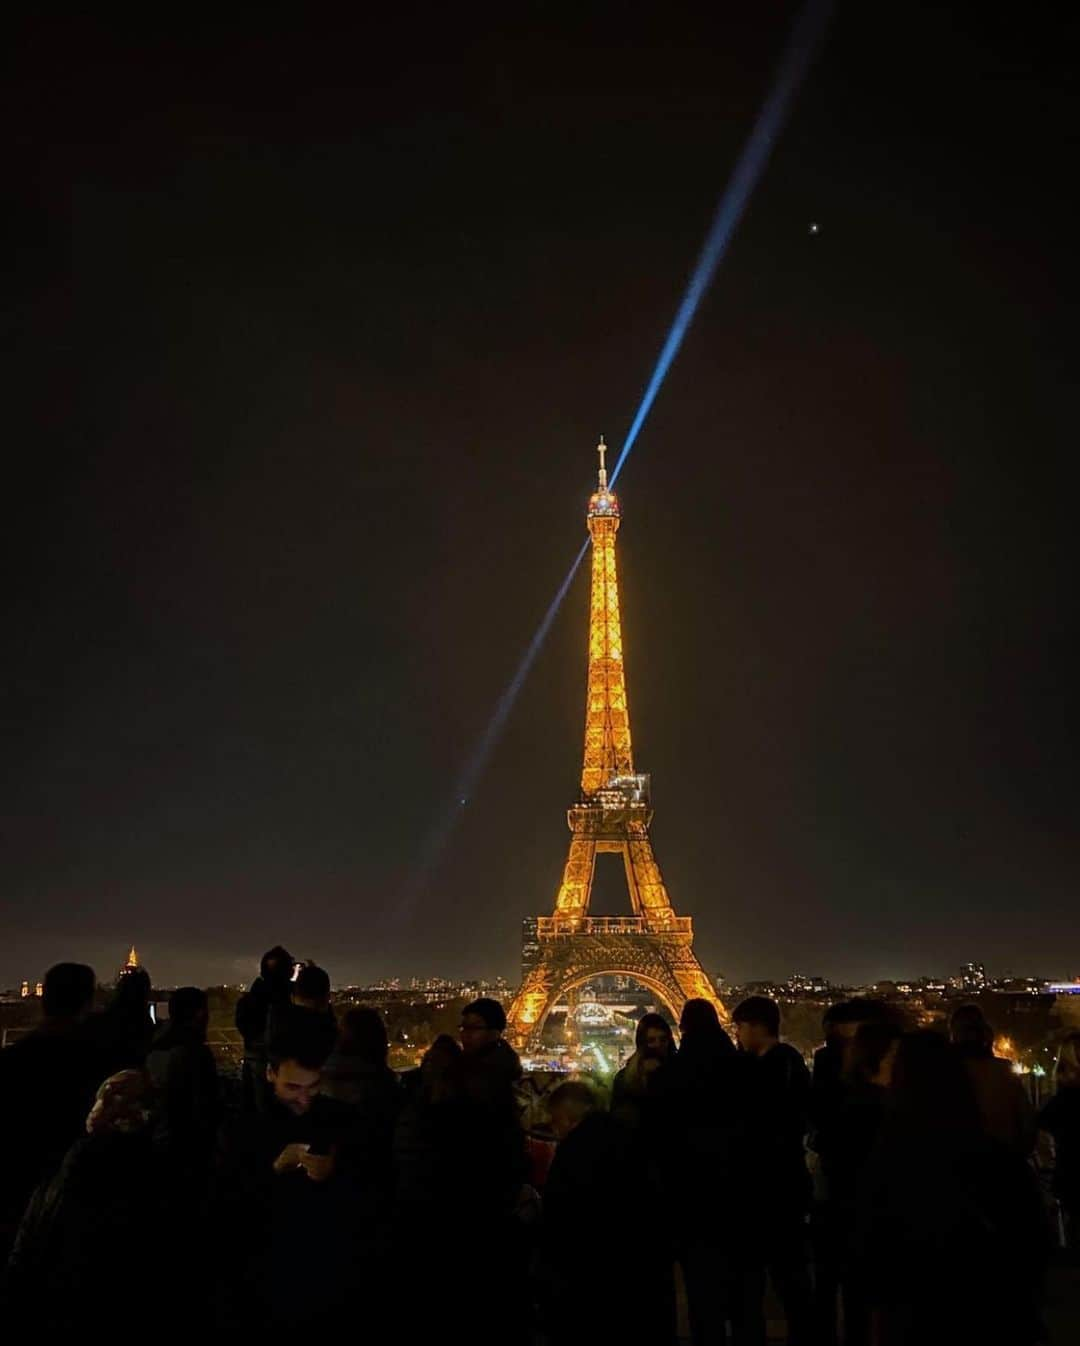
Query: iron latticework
{"points": [[612, 813]]}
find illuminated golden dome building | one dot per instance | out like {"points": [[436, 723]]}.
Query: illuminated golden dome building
{"points": [[131, 964], [612, 813]]}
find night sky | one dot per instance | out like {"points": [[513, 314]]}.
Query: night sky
{"points": [[312, 332]]}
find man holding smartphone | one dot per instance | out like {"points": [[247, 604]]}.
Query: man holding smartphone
{"points": [[288, 1191]]}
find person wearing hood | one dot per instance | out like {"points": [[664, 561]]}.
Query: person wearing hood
{"points": [[257, 1016], [654, 1048]]}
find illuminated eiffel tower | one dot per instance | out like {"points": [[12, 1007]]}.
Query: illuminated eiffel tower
{"points": [[612, 813]]}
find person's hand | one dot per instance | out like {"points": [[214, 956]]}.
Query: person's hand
{"points": [[318, 1167], [292, 1156]]}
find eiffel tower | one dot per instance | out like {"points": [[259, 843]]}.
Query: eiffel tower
{"points": [[612, 813]]}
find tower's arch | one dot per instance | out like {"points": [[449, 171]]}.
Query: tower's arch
{"points": [[652, 984]]}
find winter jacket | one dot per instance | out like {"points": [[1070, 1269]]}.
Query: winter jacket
{"points": [[951, 1239], [47, 1083], [258, 1014], [283, 1229], [182, 1070], [708, 1139], [1004, 1109], [781, 1085], [92, 1240], [373, 1092]]}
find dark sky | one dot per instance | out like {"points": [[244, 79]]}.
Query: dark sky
{"points": [[312, 332]]}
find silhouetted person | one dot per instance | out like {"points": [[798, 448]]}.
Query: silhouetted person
{"points": [[482, 1026], [123, 1031], [950, 1226], [47, 1083], [94, 1234], [706, 1137], [434, 1064], [654, 1047], [839, 1023], [290, 1204], [1060, 1118], [594, 1178], [309, 1012], [356, 1073], [1004, 1107], [780, 1083], [181, 1068], [431, 1082], [461, 1165], [850, 1142], [257, 1015]]}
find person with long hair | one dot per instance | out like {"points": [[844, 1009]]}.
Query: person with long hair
{"points": [[1060, 1118], [949, 1234], [654, 1047]]}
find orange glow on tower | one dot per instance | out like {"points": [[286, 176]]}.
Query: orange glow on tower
{"points": [[612, 814]]}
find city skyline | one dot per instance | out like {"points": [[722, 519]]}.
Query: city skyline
{"points": [[300, 399]]}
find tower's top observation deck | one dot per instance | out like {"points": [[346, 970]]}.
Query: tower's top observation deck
{"points": [[604, 503]]}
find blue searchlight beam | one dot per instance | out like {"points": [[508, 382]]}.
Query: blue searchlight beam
{"points": [[794, 63]]}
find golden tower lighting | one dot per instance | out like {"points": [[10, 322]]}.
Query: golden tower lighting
{"points": [[612, 813]]}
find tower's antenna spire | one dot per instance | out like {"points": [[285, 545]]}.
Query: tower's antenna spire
{"points": [[601, 449]]}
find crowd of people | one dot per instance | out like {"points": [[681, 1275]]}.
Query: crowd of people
{"points": [[900, 1191]]}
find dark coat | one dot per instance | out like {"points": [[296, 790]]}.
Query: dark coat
{"points": [[283, 1229], [591, 1183], [47, 1083], [122, 1035], [91, 1241], [318, 1027], [1004, 1108], [632, 1092], [460, 1164], [596, 1198], [709, 1140], [781, 1084], [950, 1239], [848, 1142], [374, 1093], [257, 1014], [500, 1056], [459, 1160], [182, 1070]]}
